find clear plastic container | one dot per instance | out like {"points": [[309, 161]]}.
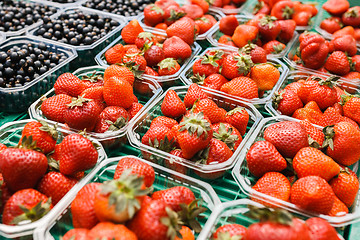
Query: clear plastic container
{"points": [[109, 139], [61, 222], [297, 75], [29, 27], [18, 99], [231, 213], [58, 4], [164, 81], [216, 14], [235, 11], [187, 73], [246, 180], [139, 127], [215, 34], [250, 5], [10, 134]]}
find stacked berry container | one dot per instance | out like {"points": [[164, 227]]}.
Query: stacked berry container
{"points": [[20, 97], [109, 139], [62, 3], [164, 179], [10, 134]]}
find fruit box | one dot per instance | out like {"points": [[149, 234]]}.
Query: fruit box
{"points": [[246, 180], [10, 134], [145, 90], [28, 28], [235, 11], [171, 80], [231, 213], [142, 123], [250, 5], [87, 52], [297, 75], [58, 3], [17, 99], [61, 222], [216, 14], [215, 34], [187, 73]]}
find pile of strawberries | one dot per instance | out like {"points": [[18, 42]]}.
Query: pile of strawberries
{"points": [[121, 208], [98, 103], [338, 56], [227, 4], [38, 172], [149, 53], [279, 224], [263, 30], [345, 20], [245, 73], [188, 20], [300, 12], [298, 163], [196, 128]]}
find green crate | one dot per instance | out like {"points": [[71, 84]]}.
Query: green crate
{"points": [[10, 117]]}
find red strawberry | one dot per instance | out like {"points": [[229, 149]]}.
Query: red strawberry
{"points": [[193, 94], [269, 28], [95, 93], [137, 167], [356, 61], [184, 29], [231, 230], [236, 65], [136, 60], [55, 185], [338, 208], [338, 63], [118, 92], [175, 196], [172, 14], [317, 136], [331, 24], [153, 14], [163, 4], [145, 39], [172, 106], [346, 44], [228, 134], [351, 17], [154, 55], [239, 118], [150, 71], [26, 204], [287, 102], [214, 81], [258, 54], [134, 109], [336, 7], [207, 64], [77, 154], [5, 193], [54, 107], [111, 119], [162, 120], [108, 230], [160, 137], [177, 48], [228, 24], [168, 66], [77, 233], [130, 32], [320, 229], [287, 30], [243, 87], [119, 71], [288, 137], [22, 168], [263, 157], [274, 47], [115, 54], [69, 84], [216, 152], [193, 11], [205, 23], [351, 107], [210, 110]]}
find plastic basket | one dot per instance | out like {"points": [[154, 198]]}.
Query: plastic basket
{"points": [[164, 179], [215, 34], [235, 11], [139, 127], [187, 73], [18, 99], [10, 134], [61, 5], [108, 139], [246, 180]]}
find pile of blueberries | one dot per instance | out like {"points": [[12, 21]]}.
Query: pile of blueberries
{"points": [[16, 15], [76, 28], [126, 8], [22, 64]]}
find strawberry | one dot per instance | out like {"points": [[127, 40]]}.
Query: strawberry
{"points": [[136, 60], [229, 231], [109, 230], [163, 4], [228, 134], [336, 7], [239, 118], [76, 233], [69, 84], [5, 193], [228, 24], [331, 24], [24, 205], [287, 30], [194, 135], [308, 114], [313, 50], [177, 48], [193, 11], [351, 17], [214, 81], [2, 147], [226, 40], [150, 71], [172, 14], [338, 209], [356, 61], [288, 137], [153, 14], [337, 63], [263, 157], [82, 207], [95, 93], [287, 102], [119, 71], [244, 34], [330, 117], [317, 136], [145, 39], [55, 185], [203, 4], [162, 120], [54, 107], [265, 76], [283, 10], [207, 64], [342, 140], [112, 118], [351, 107], [345, 186], [236, 65], [77, 154], [175, 196], [312, 193], [346, 44], [118, 92], [216, 152], [258, 54], [205, 23], [210, 110], [115, 54], [130, 32], [273, 184], [274, 47], [184, 29], [22, 168], [321, 229], [134, 109], [172, 106], [302, 18], [269, 28], [137, 167], [168, 66], [193, 94], [43, 135], [154, 55], [312, 162], [243, 87], [159, 136], [118, 200]]}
